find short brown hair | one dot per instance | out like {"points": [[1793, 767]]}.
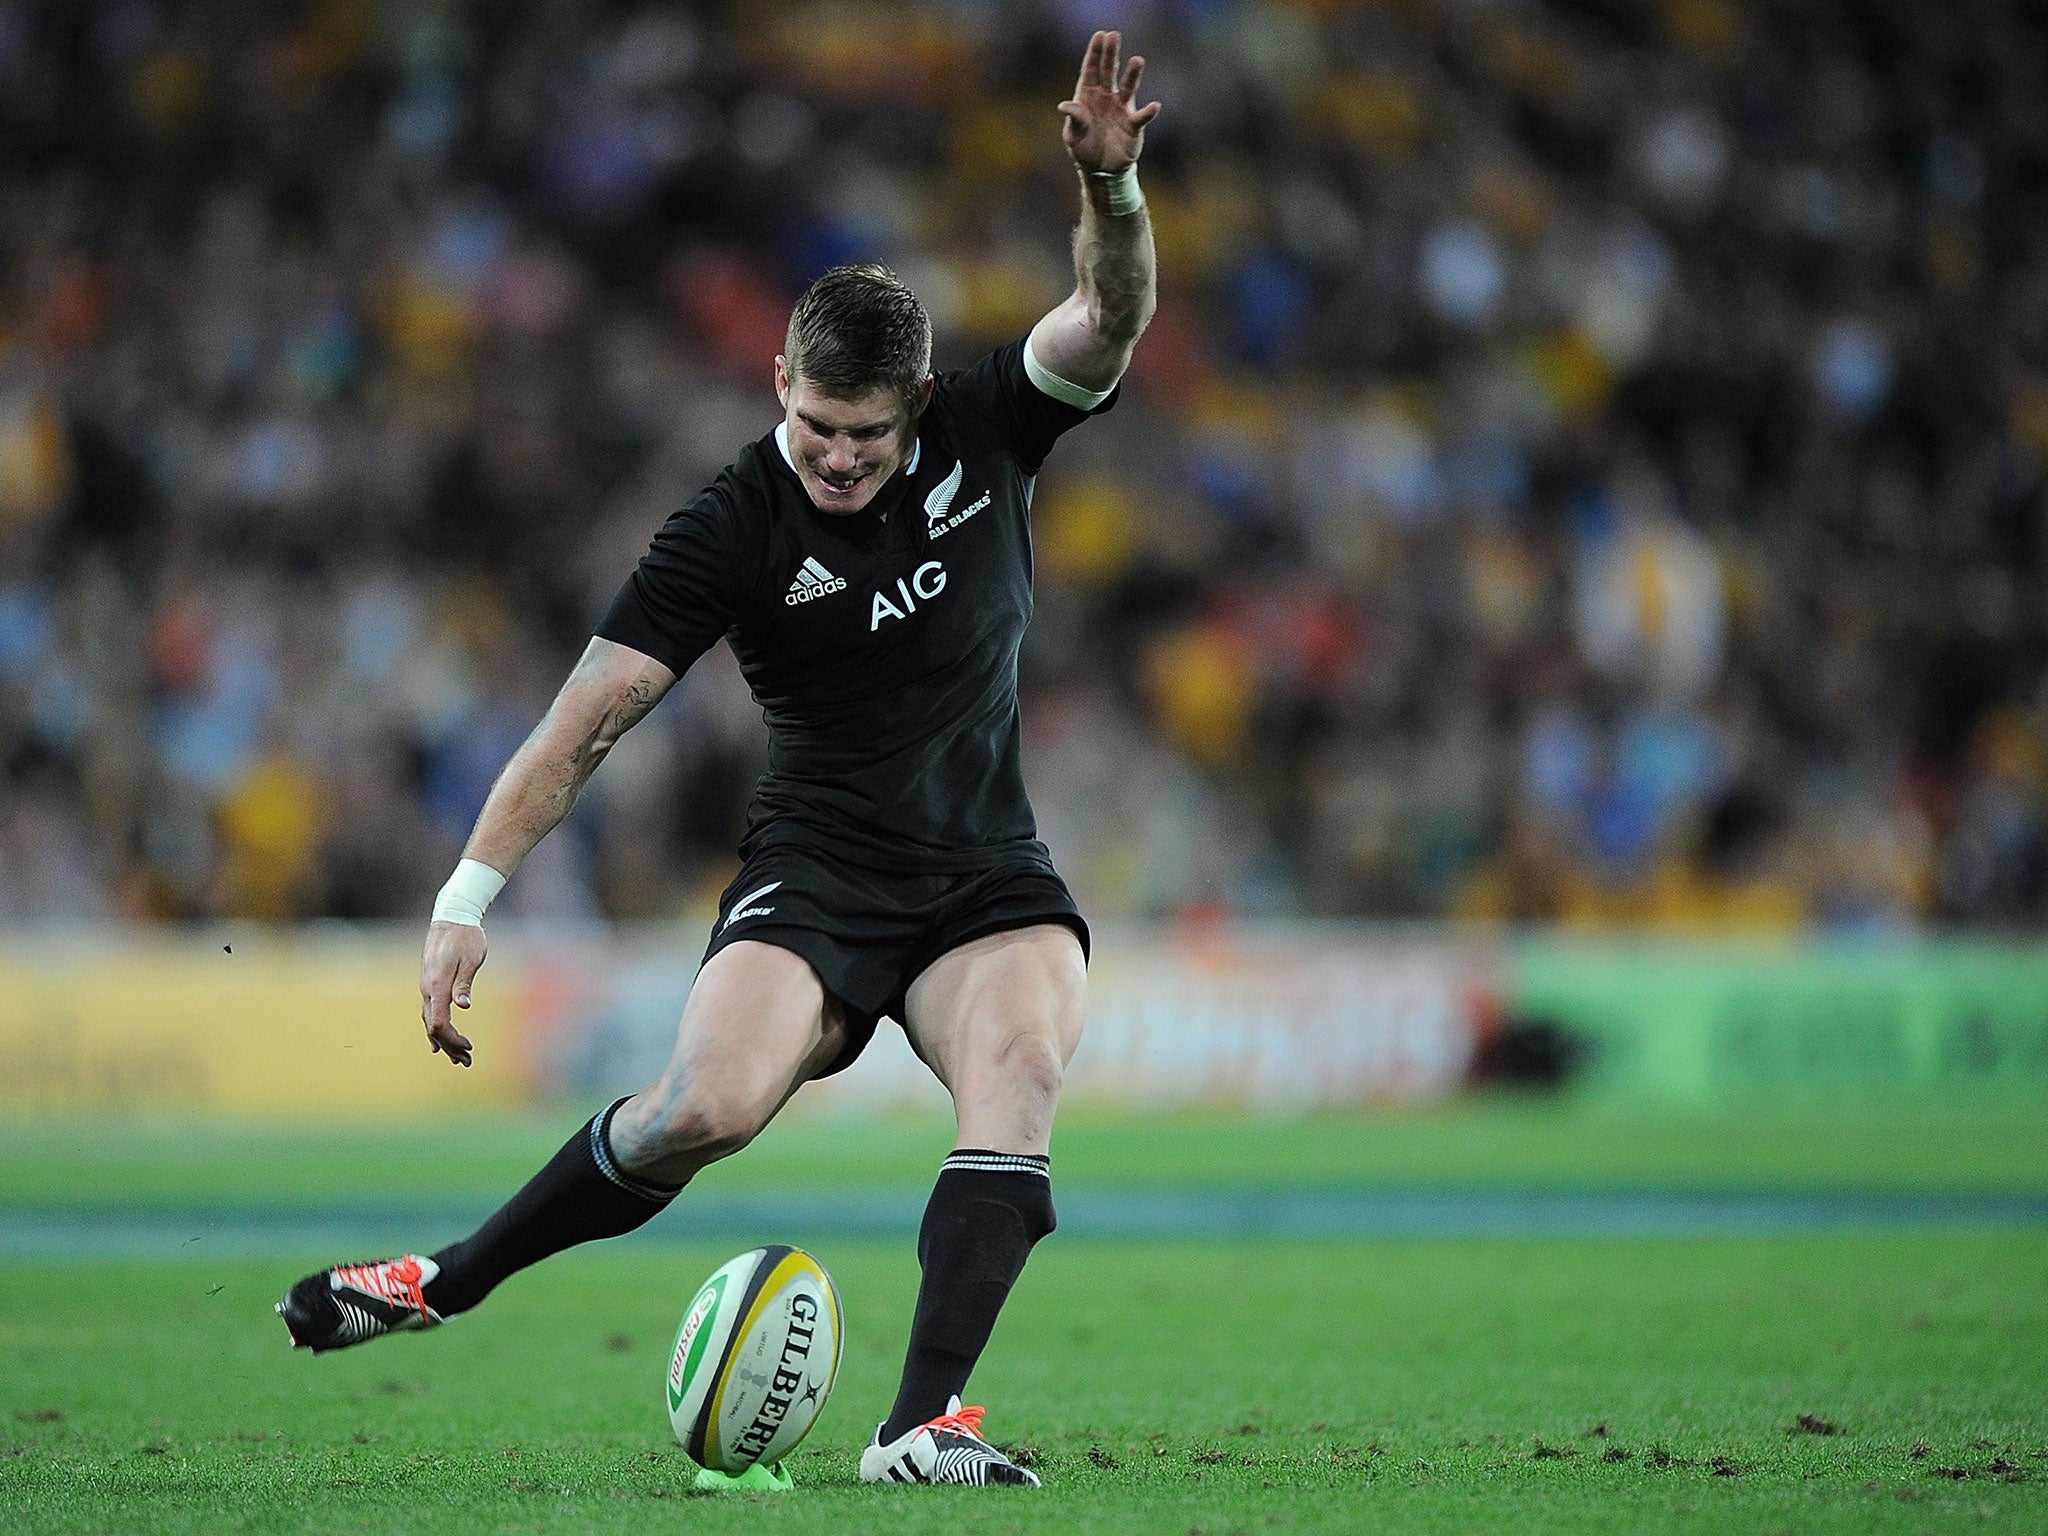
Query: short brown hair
{"points": [[859, 328]]}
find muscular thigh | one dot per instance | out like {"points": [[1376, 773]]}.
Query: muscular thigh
{"points": [[757, 1026], [758, 1009], [973, 1007]]}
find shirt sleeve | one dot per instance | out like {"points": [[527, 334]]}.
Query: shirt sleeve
{"points": [[688, 588], [998, 394]]}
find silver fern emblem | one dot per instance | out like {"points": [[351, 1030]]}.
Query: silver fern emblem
{"points": [[940, 502]]}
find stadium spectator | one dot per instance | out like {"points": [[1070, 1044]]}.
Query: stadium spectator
{"points": [[1590, 466]]}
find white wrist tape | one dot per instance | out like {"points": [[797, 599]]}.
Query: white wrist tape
{"points": [[468, 893], [1120, 189]]}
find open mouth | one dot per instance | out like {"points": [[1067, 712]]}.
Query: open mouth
{"points": [[842, 487]]}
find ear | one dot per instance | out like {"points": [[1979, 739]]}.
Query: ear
{"points": [[924, 396], [782, 380]]}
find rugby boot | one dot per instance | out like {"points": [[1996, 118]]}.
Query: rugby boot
{"points": [[948, 1449], [349, 1303]]}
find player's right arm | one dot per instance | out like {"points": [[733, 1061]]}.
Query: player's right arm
{"points": [[611, 688]]}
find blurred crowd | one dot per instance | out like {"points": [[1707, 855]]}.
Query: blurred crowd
{"points": [[1588, 465]]}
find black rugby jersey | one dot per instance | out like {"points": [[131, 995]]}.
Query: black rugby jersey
{"points": [[880, 645]]}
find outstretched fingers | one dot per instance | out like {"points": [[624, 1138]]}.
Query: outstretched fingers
{"points": [[1103, 111], [1127, 93], [1099, 63]]}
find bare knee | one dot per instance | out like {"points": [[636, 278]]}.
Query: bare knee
{"points": [[678, 1128], [707, 1123], [1030, 1066], [1006, 1099]]}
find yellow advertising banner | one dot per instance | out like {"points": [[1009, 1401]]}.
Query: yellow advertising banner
{"points": [[262, 1023], [326, 1021]]}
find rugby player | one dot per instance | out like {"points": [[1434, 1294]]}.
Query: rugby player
{"points": [[870, 563]]}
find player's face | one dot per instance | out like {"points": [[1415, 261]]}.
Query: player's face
{"points": [[845, 448]]}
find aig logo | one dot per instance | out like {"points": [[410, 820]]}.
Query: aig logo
{"points": [[926, 582]]}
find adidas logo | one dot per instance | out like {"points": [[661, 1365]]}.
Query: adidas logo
{"points": [[813, 582]]}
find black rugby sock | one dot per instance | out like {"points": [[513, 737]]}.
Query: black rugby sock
{"points": [[986, 1211], [581, 1195]]}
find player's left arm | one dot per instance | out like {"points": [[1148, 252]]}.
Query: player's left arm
{"points": [[1086, 342]]}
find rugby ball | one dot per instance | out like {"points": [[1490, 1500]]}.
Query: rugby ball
{"points": [[754, 1360]]}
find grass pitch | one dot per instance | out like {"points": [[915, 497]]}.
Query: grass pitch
{"points": [[1993, 1145], [1885, 1383], [1850, 1383]]}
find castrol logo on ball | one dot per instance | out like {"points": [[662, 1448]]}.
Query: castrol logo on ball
{"points": [[680, 1367]]}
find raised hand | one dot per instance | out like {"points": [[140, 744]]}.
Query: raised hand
{"points": [[1104, 129]]}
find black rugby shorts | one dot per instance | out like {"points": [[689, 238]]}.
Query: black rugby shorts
{"points": [[869, 934]]}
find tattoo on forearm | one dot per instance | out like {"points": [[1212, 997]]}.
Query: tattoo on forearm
{"points": [[546, 776], [632, 709]]}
